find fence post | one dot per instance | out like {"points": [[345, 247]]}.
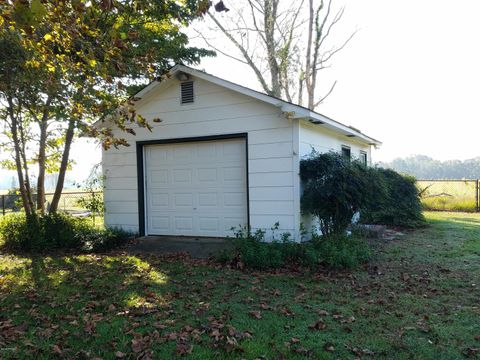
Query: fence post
{"points": [[476, 196], [3, 205]]}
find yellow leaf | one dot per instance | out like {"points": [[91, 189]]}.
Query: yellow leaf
{"points": [[93, 62], [48, 37]]}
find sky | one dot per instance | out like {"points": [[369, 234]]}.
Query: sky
{"points": [[409, 78]]}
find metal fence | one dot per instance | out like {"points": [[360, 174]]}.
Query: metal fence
{"points": [[70, 202], [449, 195]]}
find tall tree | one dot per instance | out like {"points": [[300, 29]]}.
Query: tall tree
{"points": [[66, 64], [285, 43]]}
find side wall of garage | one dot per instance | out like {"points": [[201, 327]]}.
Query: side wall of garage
{"points": [[215, 111]]}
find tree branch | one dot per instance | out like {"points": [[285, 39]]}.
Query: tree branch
{"points": [[245, 54]]}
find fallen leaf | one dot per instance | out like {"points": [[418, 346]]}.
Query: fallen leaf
{"points": [[329, 347], [287, 312], [322, 312], [184, 349], [120, 355], [348, 320], [303, 351], [255, 314], [318, 325], [56, 349]]}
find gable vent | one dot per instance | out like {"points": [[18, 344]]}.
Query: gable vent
{"points": [[187, 92]]}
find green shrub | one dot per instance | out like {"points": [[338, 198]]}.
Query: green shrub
{"points": [[400, 207], [259, 255], [97, 240], [342, 252], [339, 252], [56, 231], [15, 232], [335, 188]]}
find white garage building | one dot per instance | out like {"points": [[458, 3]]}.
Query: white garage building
{"points": [[222, 156]]}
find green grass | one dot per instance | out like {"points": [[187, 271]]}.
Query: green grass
{"points": [[419, 299], [448, 195]]}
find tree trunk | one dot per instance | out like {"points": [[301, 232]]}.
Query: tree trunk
{"points": [[63, 166], [41, 167], [23, 154], [18, 159], [308, 58], [269, 23]]}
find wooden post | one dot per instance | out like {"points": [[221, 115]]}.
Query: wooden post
{"points": [[476, 196]]}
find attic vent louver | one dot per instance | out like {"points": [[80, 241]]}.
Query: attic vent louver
{"points": [[187, 92]]}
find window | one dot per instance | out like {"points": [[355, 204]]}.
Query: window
{"points": [[363, 158], [187, 92], [346, 152]]}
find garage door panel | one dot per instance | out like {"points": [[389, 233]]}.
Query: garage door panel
{"points": [[234, 199], [159, 176], [183, 223], [160, 200], [208, 224], [182, 175], [232, 222], [207, 199], [182, 200], [197, 188], [181, 153], [232, 149], [207, 175], [207, 150], [233, 174], [160, 157], [160, 223]]}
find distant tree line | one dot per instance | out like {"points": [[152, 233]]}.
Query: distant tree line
{"points": [[424, 167]]}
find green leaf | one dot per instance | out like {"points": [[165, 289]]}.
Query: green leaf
{"points": [[38, 9]]}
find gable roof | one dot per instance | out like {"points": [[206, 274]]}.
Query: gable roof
{"points": [[294, 111]]}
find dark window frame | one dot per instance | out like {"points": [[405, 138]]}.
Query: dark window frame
{"points": [[364, 157], [346, 148]]}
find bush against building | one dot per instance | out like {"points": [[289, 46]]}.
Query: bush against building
{"points": [[335, 188]]}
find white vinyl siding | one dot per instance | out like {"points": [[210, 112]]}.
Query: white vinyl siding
{"points": [[215, 111]]}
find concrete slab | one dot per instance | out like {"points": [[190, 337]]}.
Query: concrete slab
{"points": [[197, 247]]}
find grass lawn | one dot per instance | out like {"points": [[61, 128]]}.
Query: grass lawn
{"points": [[448, 195], [419, 299]]}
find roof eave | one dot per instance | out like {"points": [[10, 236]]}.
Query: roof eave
{"points": [[293, 111], [321, 120]]}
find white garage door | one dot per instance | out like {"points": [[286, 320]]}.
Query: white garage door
{"points": [[195, 188]]}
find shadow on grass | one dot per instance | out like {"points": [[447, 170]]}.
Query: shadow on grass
{"points": [[119, 279]]}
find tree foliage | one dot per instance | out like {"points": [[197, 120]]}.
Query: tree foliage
{"points": [[425, 167], [67, 64]]}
